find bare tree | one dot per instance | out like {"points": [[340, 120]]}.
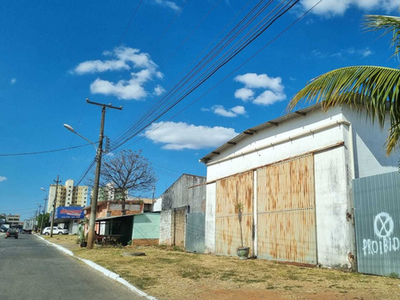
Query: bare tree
{"points": [[127, 171]]}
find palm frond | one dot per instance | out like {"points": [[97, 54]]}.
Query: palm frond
{"points": [[370, 88], [390, 25], [393, 138]]}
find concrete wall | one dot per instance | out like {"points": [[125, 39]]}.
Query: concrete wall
{"points": [[369, 146], [146, 226], [165, 227], [188, 190], [210, 219], [334, 231]]}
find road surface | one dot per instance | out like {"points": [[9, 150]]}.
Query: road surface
{"points": [[32, 269]]}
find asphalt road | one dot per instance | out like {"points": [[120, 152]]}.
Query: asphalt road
{"points": [[32, 269]]}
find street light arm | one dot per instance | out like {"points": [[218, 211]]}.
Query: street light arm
{"points": [[73, 131]]}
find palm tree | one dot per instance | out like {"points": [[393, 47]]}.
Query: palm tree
{"points": [[371, 88]]}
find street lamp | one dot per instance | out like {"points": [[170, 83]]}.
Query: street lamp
{"points": [[70, 128], [93, 204], [99, 149]]}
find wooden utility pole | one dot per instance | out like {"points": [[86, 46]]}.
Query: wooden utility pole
{"points": [[93, 204]]}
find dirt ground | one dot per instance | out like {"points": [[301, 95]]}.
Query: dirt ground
{"points": [[172, 274]]}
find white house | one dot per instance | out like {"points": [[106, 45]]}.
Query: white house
{"points": [[293, 176]]}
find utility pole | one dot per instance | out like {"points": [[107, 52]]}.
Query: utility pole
{"points": [[54, 207], [36, 221], [93, 204], [44, 206]]}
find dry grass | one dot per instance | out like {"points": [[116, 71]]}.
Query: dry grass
{"points": [[166, 273]]}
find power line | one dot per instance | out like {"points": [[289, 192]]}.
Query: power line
{"points": [[130, 21], [42, 152], [192, 80]]}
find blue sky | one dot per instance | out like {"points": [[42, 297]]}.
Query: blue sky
{"points": [[55, 54]]}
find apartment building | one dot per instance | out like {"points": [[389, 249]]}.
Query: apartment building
{"points": [[67, 195], [13, 219], [110, 193]]}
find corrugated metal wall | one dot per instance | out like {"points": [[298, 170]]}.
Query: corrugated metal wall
{"points": [[377, 220], [286, 211], [230, 191]]}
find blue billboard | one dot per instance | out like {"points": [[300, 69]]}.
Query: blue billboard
{"points": [[69, 212]]}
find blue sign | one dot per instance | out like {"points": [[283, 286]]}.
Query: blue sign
{"points": [[69, 212]]}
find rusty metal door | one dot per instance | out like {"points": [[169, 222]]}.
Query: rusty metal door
{"points": [[286, 211], [231, 191]]}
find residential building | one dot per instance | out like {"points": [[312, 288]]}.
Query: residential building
{"points": [[293, 178], [110, 193], [13, 219], [67, 195]]}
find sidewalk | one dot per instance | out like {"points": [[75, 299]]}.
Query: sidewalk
{"points": [[100, 269]]}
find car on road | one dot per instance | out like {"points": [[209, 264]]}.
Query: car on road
{"points": [[56, 230], [12, 232]]}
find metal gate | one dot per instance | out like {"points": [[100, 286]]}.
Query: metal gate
{"points": [[377, 220], [286, 211], [195, 232]]}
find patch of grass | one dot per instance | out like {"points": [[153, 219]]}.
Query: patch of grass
{"points": [[229, 275], [195, 272], [394, 275], [293, 276], [270, 287], [142, 283], [169, 260], [253, 280]]}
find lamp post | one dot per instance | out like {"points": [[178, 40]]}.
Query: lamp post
{"points": [[99, 149], [93, 204]]}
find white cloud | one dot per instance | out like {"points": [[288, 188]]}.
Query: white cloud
{"points": [[178, 136], [272, 86], [158, 90], [365, 52], [2, 178], [13, 80], [95, 66], [143, 70], [169, 4], [231, 113], [244, 94], [252, 80], [269, 98], [123, 89], [343, 53], [123, 55], [329, 8]]}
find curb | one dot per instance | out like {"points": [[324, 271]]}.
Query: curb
{"points": [[108, 273]]}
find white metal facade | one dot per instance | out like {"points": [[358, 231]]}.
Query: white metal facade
{"points": [[344, 144]]}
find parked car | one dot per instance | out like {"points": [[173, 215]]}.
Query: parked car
{"points": [[56, 230], [12, 232]]}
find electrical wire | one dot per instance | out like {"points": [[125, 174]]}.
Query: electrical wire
{"points": [[185, 87], [43, 152]]}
